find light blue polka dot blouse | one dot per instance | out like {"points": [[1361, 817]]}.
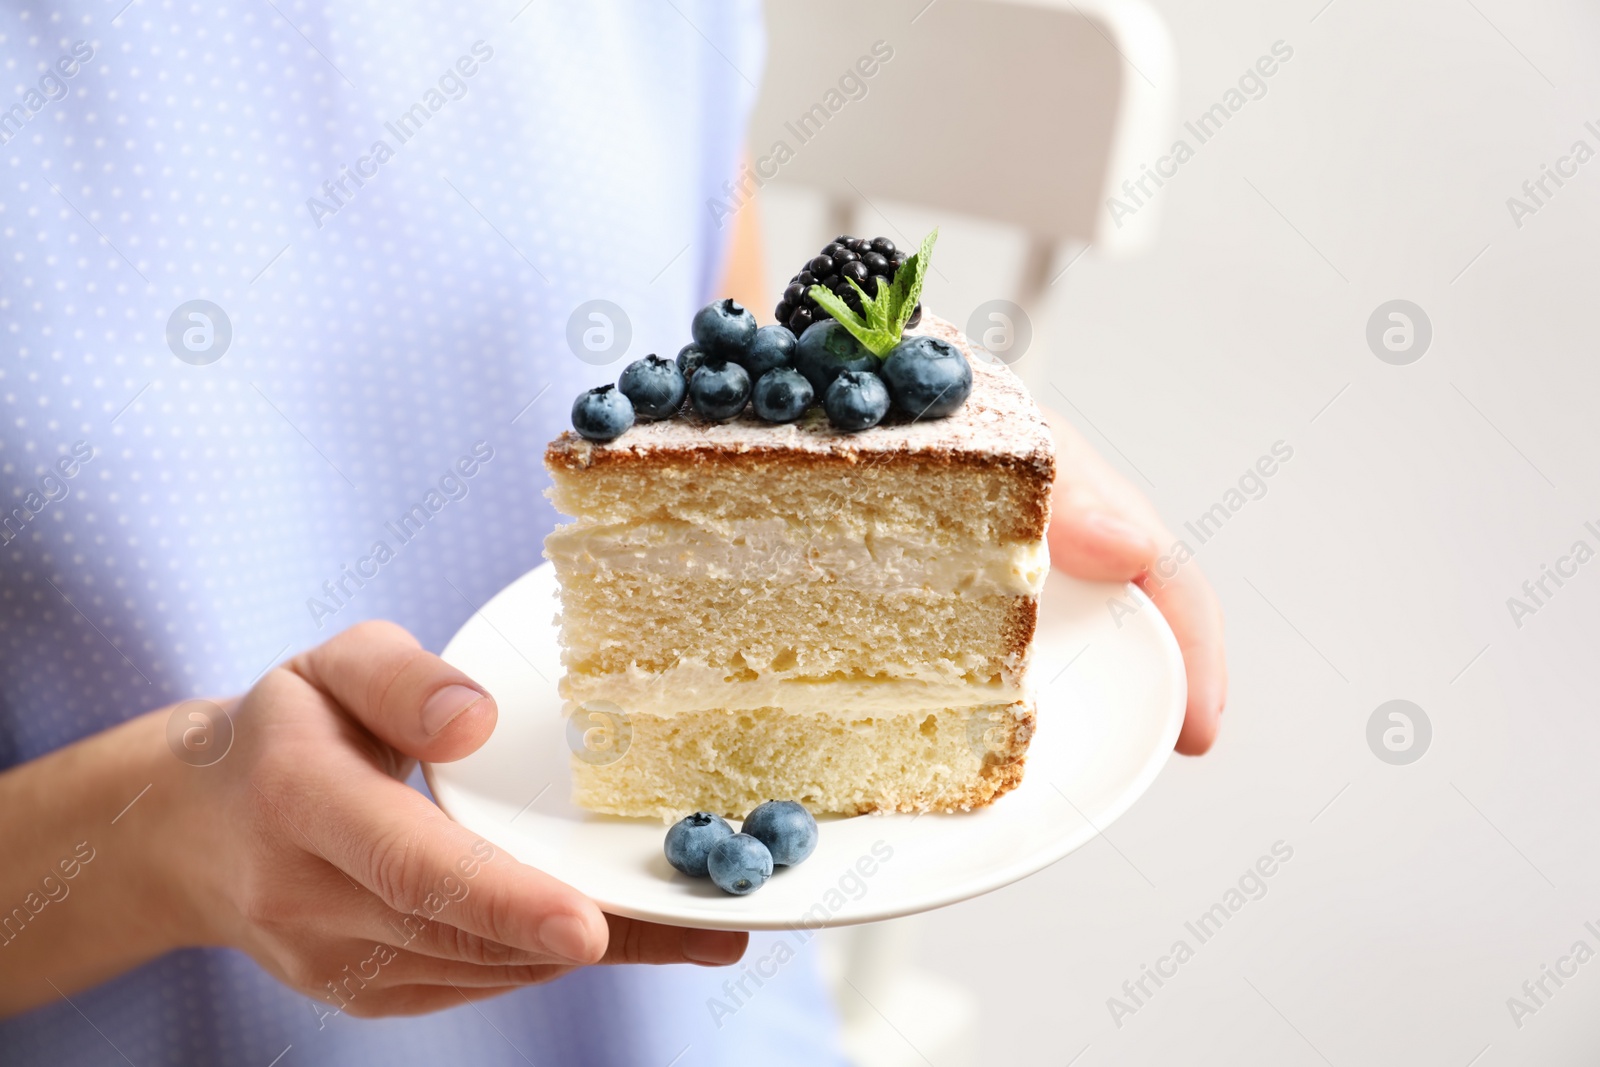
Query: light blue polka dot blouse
{"points": [[269, 272]]}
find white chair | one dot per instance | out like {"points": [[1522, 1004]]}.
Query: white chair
{"points": [[1030, 114], [1026, 113]]}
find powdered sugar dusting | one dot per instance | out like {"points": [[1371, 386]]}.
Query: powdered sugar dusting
{"points": [[999, 419]]}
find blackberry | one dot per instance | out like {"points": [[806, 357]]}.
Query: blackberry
{"points": [[859, 259]]}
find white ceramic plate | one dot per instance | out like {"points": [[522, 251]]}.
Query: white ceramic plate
{"points": [[1110, 703]]}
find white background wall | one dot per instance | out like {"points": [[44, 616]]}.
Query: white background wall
{"points": [[1422, 897]]}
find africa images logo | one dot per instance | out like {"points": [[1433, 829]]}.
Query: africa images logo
{"points": [[338, 192], [852, 85], [1252, 85], [452, 486], [52, 86], [51, 487]]}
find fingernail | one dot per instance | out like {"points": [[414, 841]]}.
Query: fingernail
{"points": [[717, 948], [1112, 528], [445, 706], [566, 936]]}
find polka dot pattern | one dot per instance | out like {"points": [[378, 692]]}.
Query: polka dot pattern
{"points": [[396, 208]]}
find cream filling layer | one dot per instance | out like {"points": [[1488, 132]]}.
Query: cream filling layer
{"points": [[773, 550], [695, 686]]}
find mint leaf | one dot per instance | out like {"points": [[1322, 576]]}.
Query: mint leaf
{"points": [[883, 316], [875, 309], [876, 339], [908, 284]]}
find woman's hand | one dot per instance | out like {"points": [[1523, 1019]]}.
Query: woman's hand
{"points": [[1103, 529], [304, 847]]}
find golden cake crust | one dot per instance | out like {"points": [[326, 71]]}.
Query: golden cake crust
{"points": [[1002, 772], [708, 765]]}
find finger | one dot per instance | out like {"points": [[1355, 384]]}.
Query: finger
{"points": [[1190, 607], [636, 941], [407, 697], [395, 843], [359, 914], [417, 1000], [365, 965], [1096, 545]]}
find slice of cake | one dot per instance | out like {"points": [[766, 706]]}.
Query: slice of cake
{"points": [[785, 610]]}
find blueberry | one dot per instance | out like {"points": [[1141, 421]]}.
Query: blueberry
{"points": [[654, 385], [825, 349], [691, 357], [723, 329], [689, 842], [928, 377], [719, 391], [601, 414], [772, 348], [786, 828], [739, 864], [782, 395], [857, 400]]}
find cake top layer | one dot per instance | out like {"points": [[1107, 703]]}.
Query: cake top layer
{"points": [[999, 421]]}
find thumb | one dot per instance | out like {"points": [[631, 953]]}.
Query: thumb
{"points": [[1097, 545], [406, 696]]}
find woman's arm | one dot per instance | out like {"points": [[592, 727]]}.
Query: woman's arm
{"points": [[744, 275], [301, 846], [81, 898]]}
